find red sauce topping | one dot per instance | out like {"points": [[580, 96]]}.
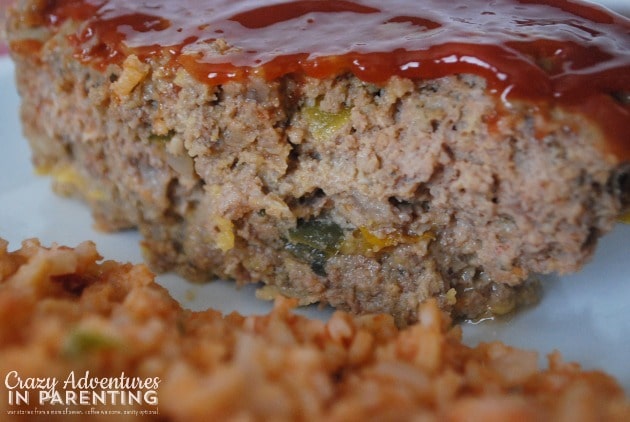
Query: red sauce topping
{"points": [[553, 51]]}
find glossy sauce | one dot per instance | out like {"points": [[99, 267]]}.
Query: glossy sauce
{"points": [[549, 51]]}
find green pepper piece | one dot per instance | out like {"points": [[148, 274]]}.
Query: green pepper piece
{"points": [[314, 241], [322, 235], [162, 138], [81, 342]]}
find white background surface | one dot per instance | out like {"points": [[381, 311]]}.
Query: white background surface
{"points": [[585, 316], [621, 5]]}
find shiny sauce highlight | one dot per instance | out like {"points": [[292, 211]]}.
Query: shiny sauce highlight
{"points": [[551, 52]]}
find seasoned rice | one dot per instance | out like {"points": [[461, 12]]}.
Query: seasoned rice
{"points": [[64, 310]]}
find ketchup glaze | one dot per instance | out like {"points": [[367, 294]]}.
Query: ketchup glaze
{"points": [[563, 52]]}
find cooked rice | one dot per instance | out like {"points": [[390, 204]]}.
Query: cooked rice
{"points": [[64, 310]]}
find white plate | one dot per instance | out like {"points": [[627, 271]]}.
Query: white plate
{"points": [[622, 6], [585, 316]]}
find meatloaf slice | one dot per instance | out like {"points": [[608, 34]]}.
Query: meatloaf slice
{"points": [[320, 179]]}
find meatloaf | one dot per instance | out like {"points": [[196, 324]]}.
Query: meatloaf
{"points": [[425, 150], [64, 312]]}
